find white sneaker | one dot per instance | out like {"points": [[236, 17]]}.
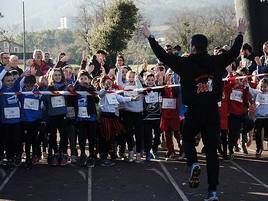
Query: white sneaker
{"points": [[131, 156], [138, 158]]}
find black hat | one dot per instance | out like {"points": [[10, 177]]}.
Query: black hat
{"points": [[200, 42]]}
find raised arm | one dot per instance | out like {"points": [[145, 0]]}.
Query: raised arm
{"points": [[172, 61], [227, 58]]}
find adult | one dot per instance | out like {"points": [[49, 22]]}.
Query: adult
{"points": [[48, 60], [247, 59], [62, 60], [98, 66], [264, 57], [39, 63], [14, 62], [202, 86], [4, 60]]}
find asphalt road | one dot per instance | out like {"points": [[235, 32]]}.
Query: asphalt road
{"points": [[243, 179]]}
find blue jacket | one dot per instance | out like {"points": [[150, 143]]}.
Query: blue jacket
{"points": [[9, 105], [31, 107], [85, 105], [56, 104]]}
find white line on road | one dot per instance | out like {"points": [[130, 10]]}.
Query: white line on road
{"points": [[2, 186], [173, 182], [249, 174], [89, 185]]}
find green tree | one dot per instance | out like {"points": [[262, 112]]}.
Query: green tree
{"points": [[117, 28]]}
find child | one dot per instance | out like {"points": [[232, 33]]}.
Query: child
{"points": [[31, 114], [86, 118], [170, 120], [133, 115], [151, 118], [56, 110], [110, 125], [10, 118], [260, 95], [70, 116], [238, 107]]}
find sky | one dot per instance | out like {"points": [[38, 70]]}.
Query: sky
{"points": [[45, 14]]}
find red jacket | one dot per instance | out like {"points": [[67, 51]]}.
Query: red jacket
{"points": [[170, 95]]}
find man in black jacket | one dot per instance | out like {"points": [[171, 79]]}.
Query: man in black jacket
{"points": [[201, 83]]}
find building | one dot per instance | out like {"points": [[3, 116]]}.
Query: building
{"points": [[67, 23], [10, 47]]}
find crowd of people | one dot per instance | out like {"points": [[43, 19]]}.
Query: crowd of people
{"points": [[124, 115]]}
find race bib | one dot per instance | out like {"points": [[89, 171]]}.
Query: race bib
{"points": [[112, 100], [130, 93], [82, 112], [237, 96], [262, 99], [169, 103], [152, 97], [12, 112], [31, 104], [57, 101], [70, 112]]}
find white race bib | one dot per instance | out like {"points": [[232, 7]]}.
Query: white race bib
{"points": [[152, 97], [262, 99], [130, 93], [57, 101], [31, 104], [112, 100], [70, 112], [12, 112], [169, 103], [237, 96], [82, 112]]}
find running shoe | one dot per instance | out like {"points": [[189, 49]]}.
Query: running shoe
{"points": [[107, 163], [212, 196], [194, 180]]}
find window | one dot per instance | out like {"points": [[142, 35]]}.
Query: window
{"points": [[16, 49], [6, 45]]}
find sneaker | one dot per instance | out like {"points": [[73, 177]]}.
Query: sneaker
{"points": [[63, 160], [170, 157], [73, 159], [55, 160], [212, 196], [226, 158], [131, 156], [258, 153], [17, 160], [28, 164], [156, 156], [49, 160], [194, 180], [91, 162], [35, 160], [122, 156], [182, 157], [148, 156], [237, 148], [113, 155], [244, 147], [107, 163], [83, 160], [138, 158]]}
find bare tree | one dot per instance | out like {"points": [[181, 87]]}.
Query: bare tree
{"points": [[218, 24], [90, 13]]}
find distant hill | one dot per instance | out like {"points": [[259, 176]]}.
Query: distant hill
{"points": [[45, 14]]}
